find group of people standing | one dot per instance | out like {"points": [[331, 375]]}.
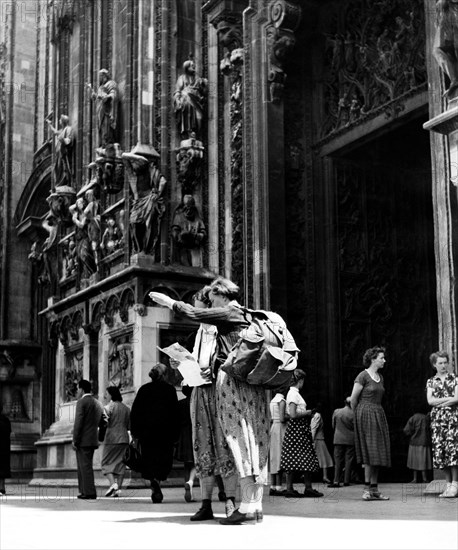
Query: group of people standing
{"points": [[238, 435]]}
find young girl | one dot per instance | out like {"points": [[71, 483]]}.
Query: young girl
{"points": [[419, 458], [324, 458], [277, 433]]}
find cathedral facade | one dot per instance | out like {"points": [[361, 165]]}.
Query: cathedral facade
{"points": [[293, 146]]}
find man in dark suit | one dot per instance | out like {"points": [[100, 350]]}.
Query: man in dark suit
{"points": [[88, 415]]}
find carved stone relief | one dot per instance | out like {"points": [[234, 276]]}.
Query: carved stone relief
{"points": [[374, 58], [120, 362]]}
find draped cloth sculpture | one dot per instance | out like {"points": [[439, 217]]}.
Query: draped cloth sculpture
{"points": [[147, 207]]}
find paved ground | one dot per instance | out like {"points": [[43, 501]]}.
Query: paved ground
{"points": [[34, 517]]}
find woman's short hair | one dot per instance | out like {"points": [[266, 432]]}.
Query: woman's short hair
{"points": [[202, 295], [435, 356], [371, 354], [298, 375], [157, 373], [114, 393], [225, 287]]}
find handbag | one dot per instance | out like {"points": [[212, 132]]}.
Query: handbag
{"points": [[133, 456], [274, 369], [265, 354], [103, 425]]}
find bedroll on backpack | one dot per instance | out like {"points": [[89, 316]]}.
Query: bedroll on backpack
{"points": [[259, 357]]}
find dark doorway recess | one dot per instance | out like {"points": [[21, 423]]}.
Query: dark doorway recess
{"points": [[386, 270]]}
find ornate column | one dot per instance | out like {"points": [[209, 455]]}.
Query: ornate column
{"points": [[226, 55], [443, 125], [269, 34]]}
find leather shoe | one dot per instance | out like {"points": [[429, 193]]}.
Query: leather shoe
{"points": [[156, 495], [333, 485], [202, 514], [292, 493], [87, 497], [238, 519], [312, 493]]}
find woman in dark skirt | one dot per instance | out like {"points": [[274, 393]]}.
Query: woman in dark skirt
{"points": [[298, 453], [5, 447], [372, 438], [154, 422]]}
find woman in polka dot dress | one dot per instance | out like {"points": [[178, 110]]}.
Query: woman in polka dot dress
{"points": [[298, 453]]}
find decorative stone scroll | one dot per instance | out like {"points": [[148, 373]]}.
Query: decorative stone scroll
{"points": [[285, 17]]}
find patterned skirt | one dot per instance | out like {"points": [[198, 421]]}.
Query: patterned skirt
{"points": [[244, 417], [212, 455], [298, 453], [372, 438], [444, 434]]}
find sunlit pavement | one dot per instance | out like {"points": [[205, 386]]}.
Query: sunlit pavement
{"points": [[36, 517]]}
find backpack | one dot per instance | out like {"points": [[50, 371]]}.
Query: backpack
{"points": [[265, 353]]}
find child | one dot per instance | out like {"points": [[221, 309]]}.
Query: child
{"points": [[324, 458], [277, 433], [419, 458]]}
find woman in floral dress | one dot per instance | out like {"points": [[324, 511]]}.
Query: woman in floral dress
{"points": [[442, 395]]}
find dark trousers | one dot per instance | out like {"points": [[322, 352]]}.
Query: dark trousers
{"points": [[343, 455], [84, 456]]}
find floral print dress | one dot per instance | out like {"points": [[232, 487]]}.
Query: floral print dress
{"points": [[444, 423]]}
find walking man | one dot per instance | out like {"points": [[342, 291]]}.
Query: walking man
{"points": [[85, 438]]}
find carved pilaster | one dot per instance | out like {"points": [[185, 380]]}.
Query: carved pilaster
{"points": [[226, 17]]}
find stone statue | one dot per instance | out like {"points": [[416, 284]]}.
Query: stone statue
{"points": [[445, 48], [112, 236], [63, 165], [93, 222], [84, 250], [188, 231], [189, 99], [147, 208], [106, 99]]}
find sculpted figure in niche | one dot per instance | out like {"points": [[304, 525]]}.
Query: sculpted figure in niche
{"points": [[63, 165], [446, 43], [112, 236], [188, 231], [189, 99], [106, 99], [93, 222], [147, 208], [84, 251]]}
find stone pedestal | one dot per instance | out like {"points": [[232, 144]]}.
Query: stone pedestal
{"points": [[140, 331]]}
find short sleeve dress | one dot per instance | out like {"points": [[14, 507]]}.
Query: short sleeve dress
{"points": [[298, 453], [372, 437], [277, 434], [444, 423]]}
